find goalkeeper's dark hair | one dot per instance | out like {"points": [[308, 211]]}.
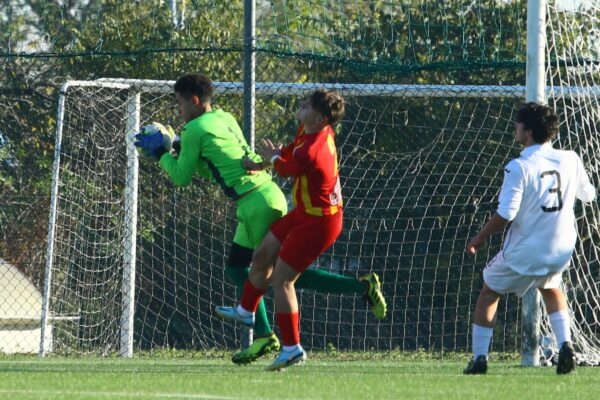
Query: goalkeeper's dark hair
{"points": [[195, 85], [329, 103], [542, 121]]}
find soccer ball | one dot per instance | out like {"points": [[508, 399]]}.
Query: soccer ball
{"points": [[167, 132]]}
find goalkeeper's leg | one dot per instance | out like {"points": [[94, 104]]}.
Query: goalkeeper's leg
{"points": [[326, 282]]}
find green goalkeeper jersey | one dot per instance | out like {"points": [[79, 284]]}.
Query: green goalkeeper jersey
{"points": [[214, 147]]}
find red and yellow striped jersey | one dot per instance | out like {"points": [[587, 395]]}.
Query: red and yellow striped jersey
{"points": [[312, 160]]}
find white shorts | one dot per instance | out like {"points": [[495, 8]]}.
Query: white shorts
{"points": [[502, 279]]}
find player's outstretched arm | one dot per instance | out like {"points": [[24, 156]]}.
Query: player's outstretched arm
{"points": [[495, 224], [282, 159], [268, 150]]}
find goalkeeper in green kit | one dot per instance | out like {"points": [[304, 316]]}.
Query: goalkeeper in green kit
{"points": [[212, 145]]}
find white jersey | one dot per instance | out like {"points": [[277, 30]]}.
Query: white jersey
{"points": [[538, 195]]}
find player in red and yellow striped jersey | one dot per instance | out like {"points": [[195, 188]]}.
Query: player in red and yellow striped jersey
{"points": [[317, 214], [312, 160], [300, 237]]}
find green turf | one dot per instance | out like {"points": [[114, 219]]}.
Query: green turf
{"points": [[172, 378]]}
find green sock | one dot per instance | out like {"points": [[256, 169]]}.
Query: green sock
{"points": [[326, 282], [261, 321]]}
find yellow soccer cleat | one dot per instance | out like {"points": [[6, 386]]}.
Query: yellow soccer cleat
{"points": [[257, 349], [374, 296]]}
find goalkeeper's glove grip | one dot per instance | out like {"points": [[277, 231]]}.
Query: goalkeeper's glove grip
{"points": [[152, 144]]}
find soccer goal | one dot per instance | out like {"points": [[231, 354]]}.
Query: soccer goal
{"points": [[136, 264]]}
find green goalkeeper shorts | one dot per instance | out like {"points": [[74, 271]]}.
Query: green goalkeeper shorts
{"points": [[256, 212]]}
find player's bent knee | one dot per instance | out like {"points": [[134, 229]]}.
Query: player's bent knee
{"points": [[284, 276], [279, 282], [262, 271], [266, 253]]}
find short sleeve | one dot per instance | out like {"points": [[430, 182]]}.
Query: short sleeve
{"points": [[586, 192], [511, 193]]}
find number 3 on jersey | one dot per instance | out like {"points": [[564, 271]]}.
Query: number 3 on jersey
{"points": [[554, 191]]}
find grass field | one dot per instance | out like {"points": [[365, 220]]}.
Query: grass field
{"points": [[172, 378]]}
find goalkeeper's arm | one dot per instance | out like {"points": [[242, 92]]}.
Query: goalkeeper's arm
{"points": [[181, 169]]}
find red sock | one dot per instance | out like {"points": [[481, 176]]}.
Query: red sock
{"points": [[288, 328], [251, 296]]}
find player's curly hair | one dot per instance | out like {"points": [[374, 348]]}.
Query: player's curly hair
{"points": [[195, 85], [542, 121], [329, 103]]}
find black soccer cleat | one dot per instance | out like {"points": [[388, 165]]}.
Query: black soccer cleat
{"points": [[566, 359], [477, 366]]}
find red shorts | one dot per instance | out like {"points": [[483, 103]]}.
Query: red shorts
{"points": [[304, 237]]}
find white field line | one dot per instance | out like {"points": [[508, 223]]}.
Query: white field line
{"points": [[47, 394], [145, 395]]}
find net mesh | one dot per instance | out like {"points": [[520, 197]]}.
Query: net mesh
{"points": [[573, 75], [408, 215]]}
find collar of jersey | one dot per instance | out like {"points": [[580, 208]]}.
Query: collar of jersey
{"points": [[536, 147]]}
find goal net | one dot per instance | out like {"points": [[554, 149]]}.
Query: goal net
{"points": [[417, 182], [573, 74]]}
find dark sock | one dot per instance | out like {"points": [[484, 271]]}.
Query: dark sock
{"points": [[327, 282]]}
